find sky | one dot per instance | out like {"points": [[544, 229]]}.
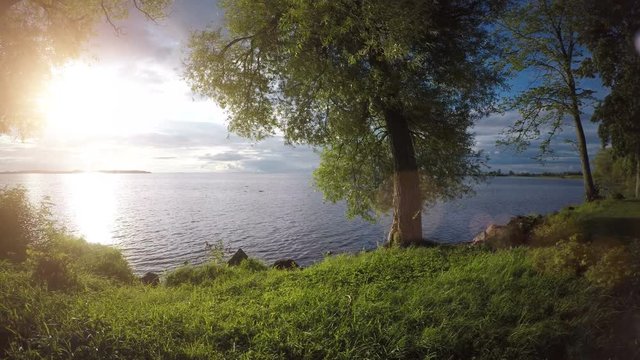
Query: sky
{"points": [[125, 105]]}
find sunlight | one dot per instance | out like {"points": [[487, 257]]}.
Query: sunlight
{"points": [[93, 205], [84, 99]]}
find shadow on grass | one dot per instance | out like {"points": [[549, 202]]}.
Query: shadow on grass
{"points": [[613, 227]]}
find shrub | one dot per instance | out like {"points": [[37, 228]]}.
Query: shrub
{"points": [[21, 223], [603, 264], [612, 269], [92, 259], [112, 265]]}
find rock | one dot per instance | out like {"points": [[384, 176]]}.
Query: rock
{"points": [[150, 278], [285, 264], [237, 258], [516, 232]]}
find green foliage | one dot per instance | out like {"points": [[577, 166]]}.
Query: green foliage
{"points": [[27, 232], [614, 174], [610, 32], [21, 224], [608, 265], [597, 240], [93, 259], [604, 219], [328, 73]]}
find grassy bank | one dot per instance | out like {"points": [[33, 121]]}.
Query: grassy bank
{"points": [[435, 303]]}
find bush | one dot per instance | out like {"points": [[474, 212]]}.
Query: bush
{"points": [[604, 264], [93, 259], [21, 223]]}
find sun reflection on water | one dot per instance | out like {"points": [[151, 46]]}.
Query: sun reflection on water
{"points": [[93, 205]]}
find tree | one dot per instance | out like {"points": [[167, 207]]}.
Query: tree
{"points": [[387, 89], [610, 31], [36, 35], [544, 41]]}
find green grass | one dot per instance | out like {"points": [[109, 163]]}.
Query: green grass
{"points": [[415, 303], [605, 219]]}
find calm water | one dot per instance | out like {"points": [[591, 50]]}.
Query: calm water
{"points": [[163, 220]]}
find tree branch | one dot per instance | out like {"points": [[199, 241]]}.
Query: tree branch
{"points": [[107, 16], [136, 4]]}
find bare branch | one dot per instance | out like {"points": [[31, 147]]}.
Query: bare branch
{"points": [[107, 16], [143, 11]]}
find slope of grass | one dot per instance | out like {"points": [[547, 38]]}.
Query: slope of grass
{"points": [[599, 220], [414, 303]]}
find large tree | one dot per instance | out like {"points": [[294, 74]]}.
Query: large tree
{"points": [[387, 89], [612, 34], [544, 42], [36, 35]]}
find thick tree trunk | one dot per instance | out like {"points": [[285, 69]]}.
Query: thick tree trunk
{"points": [[406, 229]]}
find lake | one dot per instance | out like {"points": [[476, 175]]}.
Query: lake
{"points": [[160, 221]]}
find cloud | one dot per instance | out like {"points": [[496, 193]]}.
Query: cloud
{"points": [[225, 156], [489, 130]]}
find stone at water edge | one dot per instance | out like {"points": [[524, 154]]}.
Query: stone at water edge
{"points": [[285, 264], [150, 279], [237, 258], [516, 232]]}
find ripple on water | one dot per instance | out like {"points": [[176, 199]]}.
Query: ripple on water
{"points": [[162, 220]]}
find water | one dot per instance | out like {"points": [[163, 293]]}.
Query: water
{"points": [[162, 220]]}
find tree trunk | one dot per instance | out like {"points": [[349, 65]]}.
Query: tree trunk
{"points": [[406, 229], [589, 188]]}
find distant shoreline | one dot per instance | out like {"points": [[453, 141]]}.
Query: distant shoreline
{"points": [[74, 172], [568, 175]]}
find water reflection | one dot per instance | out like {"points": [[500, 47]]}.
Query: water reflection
{"points": [[93, 205]]}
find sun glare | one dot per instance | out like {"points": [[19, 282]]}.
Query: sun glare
{"points": [[84, 99]]}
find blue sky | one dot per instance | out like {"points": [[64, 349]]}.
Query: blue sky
{"points": [[136, 112]]}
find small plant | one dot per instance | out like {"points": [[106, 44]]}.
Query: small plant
{"points": [[217, 252]]}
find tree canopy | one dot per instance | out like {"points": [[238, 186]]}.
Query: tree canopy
{"points": [[36, 35], [611, 31], [387, 89]]}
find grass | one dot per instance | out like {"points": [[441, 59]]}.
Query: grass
{"points": [[386, 304], [572, 300], [599, 220]]}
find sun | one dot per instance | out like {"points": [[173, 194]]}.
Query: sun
{"points": [[83, 99]]}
